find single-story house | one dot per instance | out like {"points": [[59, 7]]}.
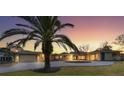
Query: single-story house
{"points": [[30, 56], [98, 55]]}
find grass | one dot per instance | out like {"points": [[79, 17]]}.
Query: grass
{"points": [[116, 69]]}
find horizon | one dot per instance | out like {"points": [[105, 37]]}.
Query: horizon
{"points": [[92, 30]]}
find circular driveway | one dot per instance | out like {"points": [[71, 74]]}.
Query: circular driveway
{"points": [[35, 65], [93, 63]]}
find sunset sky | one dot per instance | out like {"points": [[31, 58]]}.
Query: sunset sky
{"points": [[87, 30]]}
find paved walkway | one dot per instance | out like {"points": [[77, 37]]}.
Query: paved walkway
{"points": [[36, 65]]}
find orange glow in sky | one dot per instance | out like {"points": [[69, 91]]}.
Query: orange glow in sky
{"points": [[88, 30]]}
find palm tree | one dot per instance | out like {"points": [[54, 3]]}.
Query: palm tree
{"points": [[43, 30]]}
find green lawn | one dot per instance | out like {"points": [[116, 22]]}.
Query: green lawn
{"points": [[113, 70]]}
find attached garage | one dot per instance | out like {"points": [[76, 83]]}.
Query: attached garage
{"points": [[27, 58]]}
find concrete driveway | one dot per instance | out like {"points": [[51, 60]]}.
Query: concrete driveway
{"points": [[35, 65]]}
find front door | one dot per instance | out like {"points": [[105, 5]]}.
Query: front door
{"points": [[102, 56]]}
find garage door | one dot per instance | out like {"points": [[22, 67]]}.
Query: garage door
{"points": [[28, 58]]}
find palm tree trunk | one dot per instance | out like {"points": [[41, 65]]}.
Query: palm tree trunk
{"points": [[47, 49], [47, 61]]}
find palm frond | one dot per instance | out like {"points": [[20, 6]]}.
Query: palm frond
{"points": [[61, 43], [64, 39], [22, 42], [63, 26], [64, 45], [54, 19], [12, 43], [31, 20], [27, 26], [13, 32], [35, 34], [37, 44], [58, 23], [17, 30]]}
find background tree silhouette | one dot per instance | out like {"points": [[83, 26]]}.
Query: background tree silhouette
{"points": [[105, 46], [84, 48], [119, 41]]}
